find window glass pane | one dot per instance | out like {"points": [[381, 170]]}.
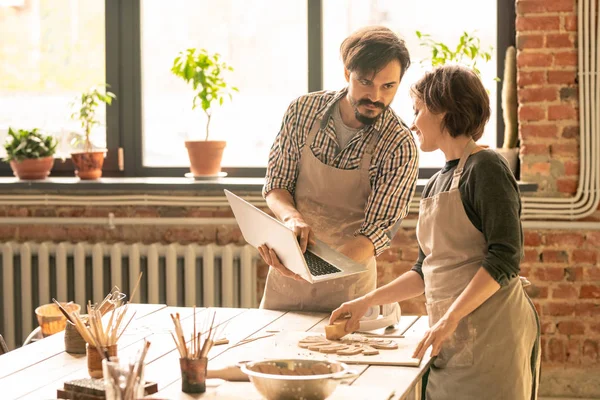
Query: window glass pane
{"points": [[50, 51], [265, 41], [446, 24]]}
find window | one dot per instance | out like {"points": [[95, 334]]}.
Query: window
{"points": [[49, 53], [265, 41], [446, 24]]}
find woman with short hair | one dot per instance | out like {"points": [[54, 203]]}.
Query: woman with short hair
{"points": [[484, 330]]}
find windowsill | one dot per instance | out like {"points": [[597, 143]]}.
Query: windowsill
{"points": [[125, 185]]}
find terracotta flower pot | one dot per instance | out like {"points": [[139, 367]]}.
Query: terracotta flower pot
{"points": [[205, 156], [88, 165], [32, 168]]}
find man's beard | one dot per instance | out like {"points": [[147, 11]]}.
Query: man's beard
{"points": [[363, 119]]}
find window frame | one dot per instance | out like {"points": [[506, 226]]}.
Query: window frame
{"points": [[124, 128]]}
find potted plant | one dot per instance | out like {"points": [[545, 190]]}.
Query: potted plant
{"points": [[467, 52], [205, 73], [509, 149], [30, 153], [88, 163]]}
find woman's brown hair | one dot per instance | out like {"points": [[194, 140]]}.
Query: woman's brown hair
{"points": [[458, 92]]}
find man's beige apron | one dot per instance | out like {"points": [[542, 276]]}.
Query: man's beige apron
{"points": [[493, 353], [332, 202]]}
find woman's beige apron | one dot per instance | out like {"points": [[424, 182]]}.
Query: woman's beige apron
{"points": [[332, 202], [494, 352]]}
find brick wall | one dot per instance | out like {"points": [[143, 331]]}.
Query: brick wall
{"points": [[562, 265], [548, 97]]}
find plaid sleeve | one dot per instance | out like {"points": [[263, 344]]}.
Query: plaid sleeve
{"points": [[282, 169], [392, 191]]}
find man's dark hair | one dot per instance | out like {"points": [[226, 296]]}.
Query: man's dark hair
{"points": [[368, 50], [457, 91]]}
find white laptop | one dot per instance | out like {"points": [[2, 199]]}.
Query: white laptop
{"points": [[319, 263]]}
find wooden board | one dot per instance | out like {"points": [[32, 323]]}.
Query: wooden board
{"points": [[285, 345]]}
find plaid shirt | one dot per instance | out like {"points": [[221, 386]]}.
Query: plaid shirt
{"points": [[394, 165]]}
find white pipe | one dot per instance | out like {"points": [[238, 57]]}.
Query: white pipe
{"points": [[558, 225], [587, 198]]}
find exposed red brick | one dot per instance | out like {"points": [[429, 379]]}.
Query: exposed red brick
{"points": [[573, 350], [536, 291], [539, 131], [409, 254], [556, 350], [569, 22], [530, 41], [544, 6], [535, 149], [595, 327], [562, 111], [531, 256], [554, 256], [589, 352], [560, 40], [532, 95], [537, 23], [559, 309], [564, 239], [593, 238], [536, 168], [562, 77], [565, 149], [534, 60], [587, 309], [565, 58], [527, 78], [574, 274], [390, 255], [548, 328], [585, 256], [592, 274], [570, 132], [571, 168], [590, 292], [531, 113], [566, 185], [565, 291], [532, 238], [571, 327]]}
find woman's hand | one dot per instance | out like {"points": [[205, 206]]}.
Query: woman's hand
{"points": [[356, 308], [436, 336], [269, 256]]}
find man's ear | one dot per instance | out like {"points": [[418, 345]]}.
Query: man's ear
{"points": [[347, 75]]}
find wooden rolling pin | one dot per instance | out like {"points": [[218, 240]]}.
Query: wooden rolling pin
{"points": [[231, 373]]}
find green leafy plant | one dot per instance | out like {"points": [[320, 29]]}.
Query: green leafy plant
{"points": [[85, 106], [23, 144], [467, 52], [205, 72]]}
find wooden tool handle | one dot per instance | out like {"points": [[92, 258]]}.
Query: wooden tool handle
{"points": [[231, 373]]}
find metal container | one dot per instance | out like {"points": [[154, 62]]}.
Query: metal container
{"points": [[288, 378]]}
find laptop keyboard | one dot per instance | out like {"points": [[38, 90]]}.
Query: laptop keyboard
{"points": [[318, 266]]}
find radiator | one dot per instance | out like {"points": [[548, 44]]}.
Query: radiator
{"points": [[32, 274]]}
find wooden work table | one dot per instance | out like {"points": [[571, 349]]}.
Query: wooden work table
{"points": [[36, 371]]}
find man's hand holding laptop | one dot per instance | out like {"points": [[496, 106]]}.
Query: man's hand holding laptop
{"points": [[305, 237]]}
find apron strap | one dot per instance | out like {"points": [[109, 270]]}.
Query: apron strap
{"points": [[461, 164]]}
